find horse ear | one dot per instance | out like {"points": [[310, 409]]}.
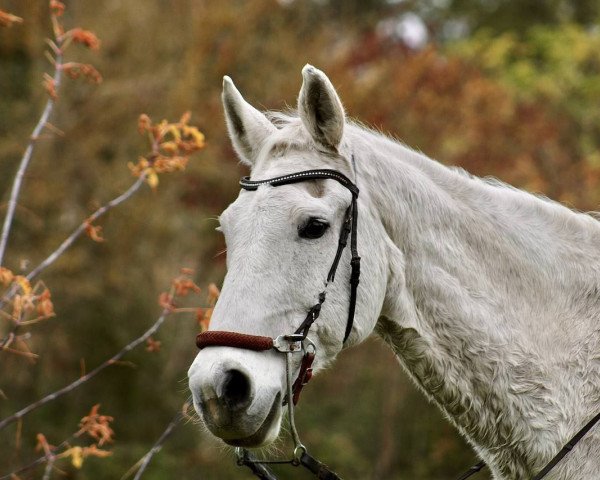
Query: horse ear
{"points": [[320, 108], [248, 128]]}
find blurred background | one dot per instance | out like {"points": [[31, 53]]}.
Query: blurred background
{"points": [[507, 88]]}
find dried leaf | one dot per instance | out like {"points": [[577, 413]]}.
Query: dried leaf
{"points": [[76, 70], [8, 19], [166, 301], [84, 37], [57, 8], [97, 426], [152, 178], [76, 454], [203, 318], [144, 123], [185, 118], [6, 276], [169, 147], [152, 345], [183, 286], [94, 232], [213, 294], [45, 307], [24, 284], [42, 445], [50, 86], [94, 451]]}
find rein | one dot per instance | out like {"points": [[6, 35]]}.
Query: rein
{"points": [[298, 342]]}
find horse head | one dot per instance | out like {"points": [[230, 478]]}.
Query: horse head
{"points": [[281, 243]]}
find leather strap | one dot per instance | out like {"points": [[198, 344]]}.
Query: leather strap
{"points": [[311, 316], [567, 448], [216, 338], [258, 469], [318, 174], [320, 470], [472, 471], [555, 460], [304, 376]]}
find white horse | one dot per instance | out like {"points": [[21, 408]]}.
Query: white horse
{"points": [[488, 295]]}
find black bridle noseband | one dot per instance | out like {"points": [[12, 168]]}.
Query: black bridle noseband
{"points": [[298, 342]]}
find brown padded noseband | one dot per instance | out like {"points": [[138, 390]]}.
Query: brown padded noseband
{"points": [[217, 338]]}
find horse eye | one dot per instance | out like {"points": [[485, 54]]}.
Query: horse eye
{"points": [[314, 228]]}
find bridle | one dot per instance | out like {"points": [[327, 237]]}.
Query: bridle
{"points": [[298, 342]]}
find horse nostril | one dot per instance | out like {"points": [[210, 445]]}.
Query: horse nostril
{"points": [[235, 391]]}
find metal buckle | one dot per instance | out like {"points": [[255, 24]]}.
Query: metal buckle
{"points": [[288, 343]]}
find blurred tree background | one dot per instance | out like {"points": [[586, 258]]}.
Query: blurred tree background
{"points": [[508, 88]]}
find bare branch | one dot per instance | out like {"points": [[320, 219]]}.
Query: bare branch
{"points": [[16, 188], [81, 228], [49, 467], [59, 393], [68, 242], [145, 460]]}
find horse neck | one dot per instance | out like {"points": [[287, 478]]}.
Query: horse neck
{"points": [[479, 299]]}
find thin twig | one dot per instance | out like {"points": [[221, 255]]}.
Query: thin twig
{"points": [[68, 242], [49, 467], [59, 393], [35, 463], [145, 460], [16, 188], [38, 461], [81, 228]]}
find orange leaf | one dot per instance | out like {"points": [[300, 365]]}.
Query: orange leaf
{"points": [[97, 426], [8, 19], [6, 276], [85, 37], [94, 232], [152, 345], [213, 294], [166, 301], [57, 8], [50, 86], [24, 284]]}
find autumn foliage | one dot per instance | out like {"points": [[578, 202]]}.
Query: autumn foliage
{"points": [[26, 300], [498, 89]]}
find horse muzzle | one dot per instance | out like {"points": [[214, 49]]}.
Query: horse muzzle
{"points": [[239, 405]]}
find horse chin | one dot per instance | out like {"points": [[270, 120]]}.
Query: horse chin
{"points": [[266, 433]]}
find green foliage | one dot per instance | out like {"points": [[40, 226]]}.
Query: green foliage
{"points": [[557, 67]]}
